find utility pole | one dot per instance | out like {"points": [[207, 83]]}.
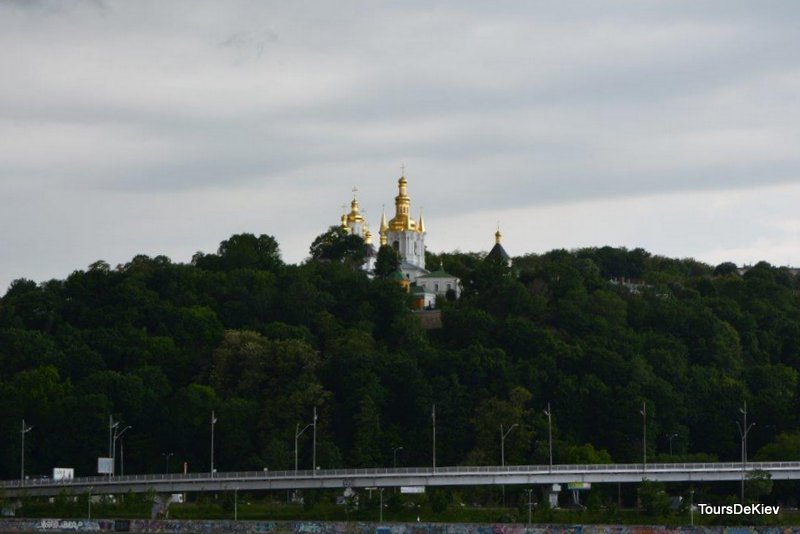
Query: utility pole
{"points": [[25, 430]]}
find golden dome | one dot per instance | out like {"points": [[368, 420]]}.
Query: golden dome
{"points": [[402, 220], [354, 215]]}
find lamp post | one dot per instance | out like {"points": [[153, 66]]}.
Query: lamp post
{"points": [[530, 505], [394, 456], [112, 425], [122, 457], [743, 431], [166, 456], [380, 516], [117, 435], [25, 430], [433, 423], [670, 437], [213, 422], [235, 504], [297, 434], [644, 435], [549, 415], [503, 443], [314, 448], [691, 507]]}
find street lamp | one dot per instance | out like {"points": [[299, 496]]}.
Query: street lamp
{"points": [[670, 437], [691, 507], [549, 415], [235, 504], [743, 431], [394, 456], [25, 430], [166, 456], [643, 411], [433, 424], [117, 434], [297, 434], [314, 448], [112, 425], [213, 422], [530, 505], [503, 443]]}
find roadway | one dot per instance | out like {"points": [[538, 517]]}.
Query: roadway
{"points": [[407, 476]]}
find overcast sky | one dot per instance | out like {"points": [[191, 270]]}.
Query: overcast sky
{"points": [[135, 127]]}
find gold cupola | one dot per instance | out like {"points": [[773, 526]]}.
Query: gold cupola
{"points": [[497, 236], [402, 220], [354, 215]]}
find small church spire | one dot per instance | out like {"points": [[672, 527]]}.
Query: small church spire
{"points": [[497, 235], [421, 225], [384, 227]]}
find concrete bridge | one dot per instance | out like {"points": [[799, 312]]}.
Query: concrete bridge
{"points": [[408, 476]]}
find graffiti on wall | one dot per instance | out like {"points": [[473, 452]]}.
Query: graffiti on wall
{"points": [[67, 525], [320, 527]]}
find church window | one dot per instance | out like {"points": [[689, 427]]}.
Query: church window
{"points": [[396, 245], [437, 288]]}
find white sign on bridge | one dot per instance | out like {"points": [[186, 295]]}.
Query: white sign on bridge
{"points": [[105, 466], [63, 473]]}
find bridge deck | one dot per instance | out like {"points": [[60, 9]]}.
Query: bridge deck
{"points": [[407, 476]]}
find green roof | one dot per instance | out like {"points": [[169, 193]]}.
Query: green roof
{"points": [[438, 273]]}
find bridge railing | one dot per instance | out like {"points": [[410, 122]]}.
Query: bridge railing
{"points": [[569, 469]]}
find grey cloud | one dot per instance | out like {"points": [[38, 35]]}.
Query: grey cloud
{"points": [[494, 107]]}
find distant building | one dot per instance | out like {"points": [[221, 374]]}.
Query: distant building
{"points": [[356, 224], [407, 236], [498, 251]]}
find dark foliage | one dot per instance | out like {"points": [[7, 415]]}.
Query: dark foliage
{"points": [[160, 345]]}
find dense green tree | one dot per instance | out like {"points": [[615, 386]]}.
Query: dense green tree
{"points": [[339, 245], [387, 262], [159, 345]]}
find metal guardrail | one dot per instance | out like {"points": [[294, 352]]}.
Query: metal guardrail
{"points": [[569, 469]]}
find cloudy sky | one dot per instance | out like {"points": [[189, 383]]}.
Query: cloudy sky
{"points": [[157, 127]]}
